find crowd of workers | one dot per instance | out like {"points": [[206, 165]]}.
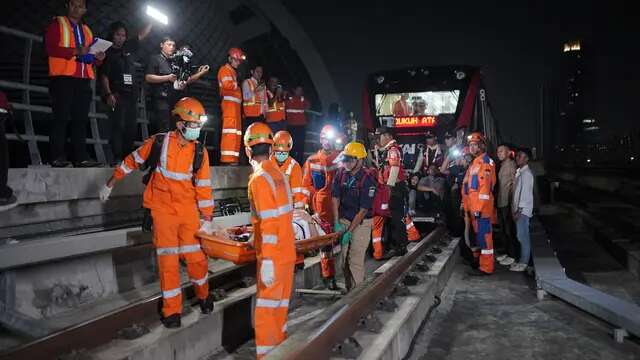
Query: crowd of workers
{"points": [[366, 198]]}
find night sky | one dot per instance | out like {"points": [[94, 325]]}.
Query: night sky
{"points": [[517, 44]]}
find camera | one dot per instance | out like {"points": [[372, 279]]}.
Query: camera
{"points": [[181, 64]]}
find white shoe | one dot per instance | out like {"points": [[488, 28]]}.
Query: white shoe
{"points": [[518, 267], [507, 261], [501, 257]]}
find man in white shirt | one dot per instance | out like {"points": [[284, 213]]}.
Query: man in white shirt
{"points": [[522, 207]]}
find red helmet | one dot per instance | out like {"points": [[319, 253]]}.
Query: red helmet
{"points": [[328, 132], [475, 137], [237, 53]]}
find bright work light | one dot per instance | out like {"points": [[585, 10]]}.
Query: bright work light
{"points": [[157, 15]]}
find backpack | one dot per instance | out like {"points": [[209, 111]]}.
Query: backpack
{"points": [[151, 163]]}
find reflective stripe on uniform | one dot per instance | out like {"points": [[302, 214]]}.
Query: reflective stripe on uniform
{"points": [[232, 98], [66, 39], [205, 203], [137, 157], [167, 250], [306, 192], [270, 239], [483, 197], [409, 226], [227, 78], [298, 205], [295, 111], [184, 249], [384, 206], [317, 166], [229, 153], [269, 179], [296, 190], [486, 251], [261, 350], [203, 182], [239, 132], [266, 214], [271, 303], [171, 293], [377, 239], [124, 168], [229, 131], [290, 167], [173, 175], [200, 282]]}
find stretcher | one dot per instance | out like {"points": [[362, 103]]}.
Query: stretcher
{"points": [[240, 252]]}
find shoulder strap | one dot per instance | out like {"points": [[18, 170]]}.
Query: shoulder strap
{"points": [[152, 160], [198, 157]]}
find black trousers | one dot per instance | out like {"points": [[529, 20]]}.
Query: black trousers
{"points": [[396, 236], [507, 236], [298, 133], [161, 116], [70, 99], [124, 126], [5, 191]]}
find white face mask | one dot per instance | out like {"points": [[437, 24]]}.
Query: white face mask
{"points": [[254, 164]]}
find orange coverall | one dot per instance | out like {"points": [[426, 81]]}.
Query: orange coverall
{"points": [[293, 173], [272, 219], [319, 171], [175, 197], [231, 115], [478, 185]]}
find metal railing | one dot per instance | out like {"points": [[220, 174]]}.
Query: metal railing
{"points": [[28, 108]]}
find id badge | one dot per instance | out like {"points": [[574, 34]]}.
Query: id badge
{"points": [[127, 79]]}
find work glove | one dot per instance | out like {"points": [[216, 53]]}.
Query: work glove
{"points": [[338, 227], [207, 227], [346, 238], [105, 192], [267, 272]]}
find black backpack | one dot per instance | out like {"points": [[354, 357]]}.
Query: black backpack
{"points": [[151, 163]]}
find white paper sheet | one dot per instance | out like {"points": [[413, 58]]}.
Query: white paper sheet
{"points": [[100, 46]]}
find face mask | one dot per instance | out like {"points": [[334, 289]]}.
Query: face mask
{"points": [[191, 133], [281, 156], [254, 164]]}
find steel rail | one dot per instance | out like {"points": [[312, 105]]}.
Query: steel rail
{"points": [[340, 320], [103, 329]]}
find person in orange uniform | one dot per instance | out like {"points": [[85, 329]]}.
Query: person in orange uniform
{"points": [[276, 110], [319, 170], [480, 180], [272, 219], [71, 69], [231, 107], [296, 106], [177, 199], [401, 107], [254, 93], [282, 145]]}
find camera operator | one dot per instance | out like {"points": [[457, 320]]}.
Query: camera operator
{"points": [[120, 88], [160, 75]]}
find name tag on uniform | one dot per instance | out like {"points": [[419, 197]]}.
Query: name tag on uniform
{"points": [[127, 79]]}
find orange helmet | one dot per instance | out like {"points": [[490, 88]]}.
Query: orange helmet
{"points": [[328, 132], [190, 109], [475, 137], [238, 54], [282, 141], [258, 133]]}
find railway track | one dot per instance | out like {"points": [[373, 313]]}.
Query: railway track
{"points": [[107, 327]]}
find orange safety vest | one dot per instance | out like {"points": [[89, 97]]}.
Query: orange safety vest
{"points": [[67, 67], [275, 112], [253, 106], [293, 172]]}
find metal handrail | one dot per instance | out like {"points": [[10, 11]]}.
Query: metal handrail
{"points": [[29, 108]]}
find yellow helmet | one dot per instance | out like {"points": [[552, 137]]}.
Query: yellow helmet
{"points": [[355, 149]]}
